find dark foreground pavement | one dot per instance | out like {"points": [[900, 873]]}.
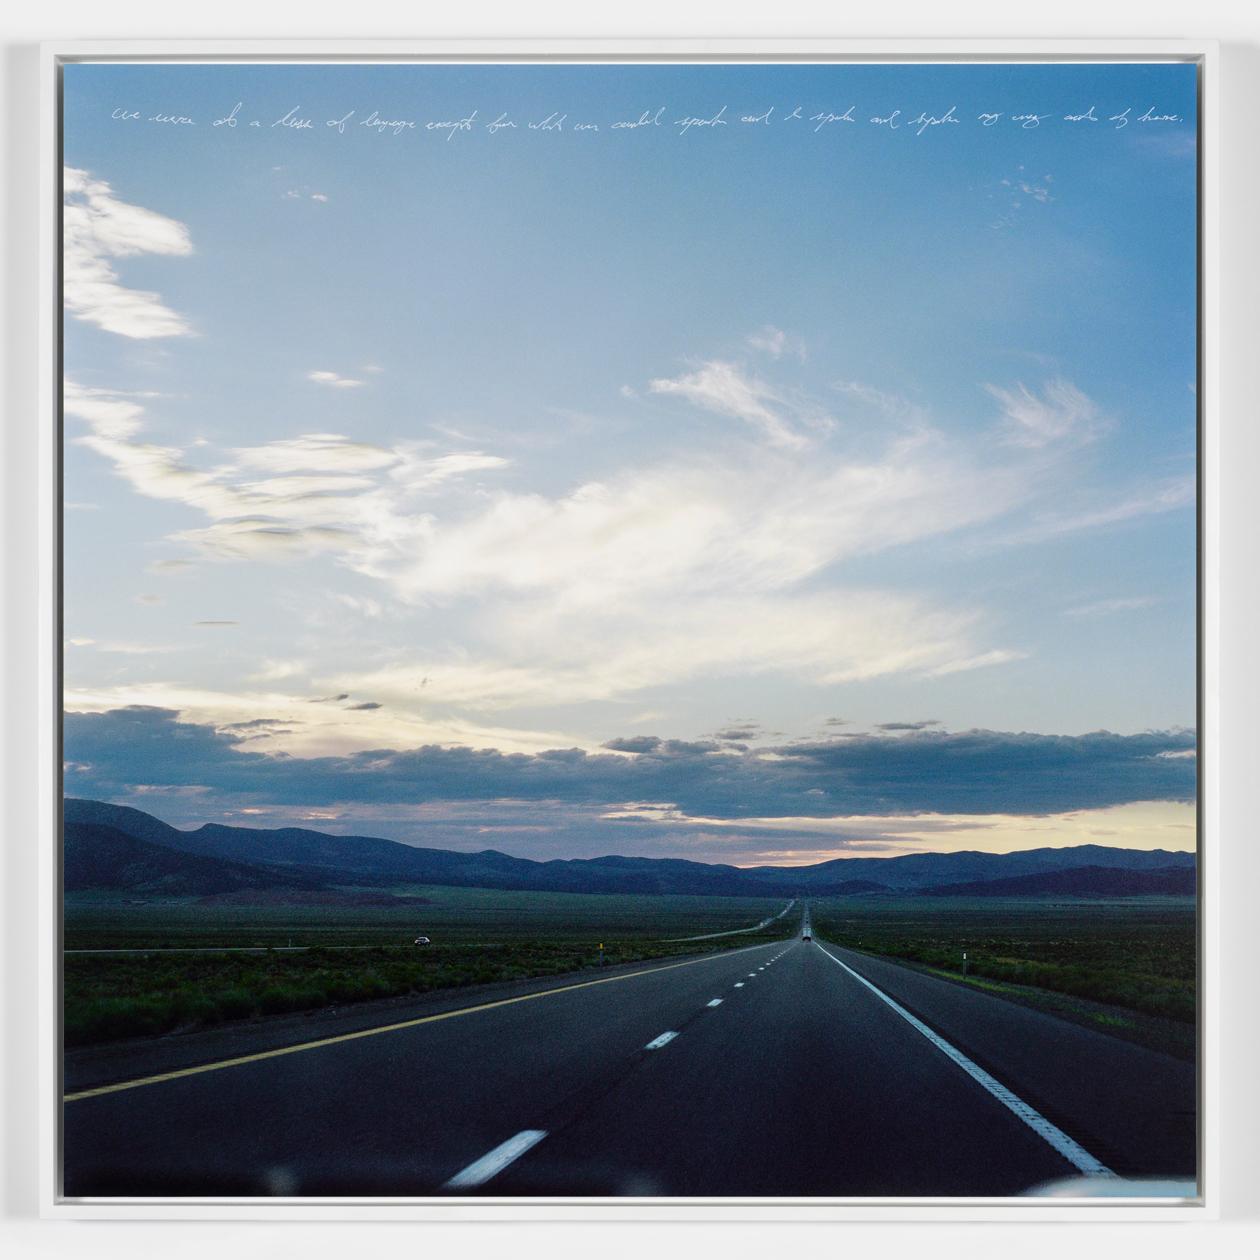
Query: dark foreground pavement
{"points": [[785, 1076]]}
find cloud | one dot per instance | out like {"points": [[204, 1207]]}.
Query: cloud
{"points": [[518, 658], [1109, 607], [311, 730], [317, 493], [1029, 187], [740, 520], [908, 726], [98, 227], [332, 379], [275, 671], [694, 565], [315, 453], [974, 772], [1060, 413], [1123, 506], [634, 743], [1014, 193], [1038, 192], [775, 342], [126, 648], [998, 656], [364, 605], [705, 562], [724, 388]]}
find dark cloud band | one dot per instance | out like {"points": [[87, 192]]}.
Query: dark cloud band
{"points": [[924, 771]]}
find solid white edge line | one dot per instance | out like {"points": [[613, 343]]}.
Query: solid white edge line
{"points": [[494, 1162], [1069, 1148], [663, 1040]]}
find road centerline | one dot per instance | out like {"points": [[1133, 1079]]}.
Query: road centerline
{"points": [[319, 1043]]}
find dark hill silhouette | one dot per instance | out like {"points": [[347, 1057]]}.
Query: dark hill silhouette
{"points": [[926, 870], [1084, 881], [100, 857], [321, 860]]}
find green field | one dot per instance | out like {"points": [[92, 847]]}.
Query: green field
{"points": [[1136, 953], [346, 954]]}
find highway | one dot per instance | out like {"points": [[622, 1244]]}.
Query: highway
{"points": [[788, 1069]]}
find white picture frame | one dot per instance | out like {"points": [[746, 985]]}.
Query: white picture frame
{"points": [[1206, 53]]}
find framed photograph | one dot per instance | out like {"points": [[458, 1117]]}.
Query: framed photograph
{"points": [[634, 633]]}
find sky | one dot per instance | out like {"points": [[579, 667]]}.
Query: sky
{"points": [[751, 463]]}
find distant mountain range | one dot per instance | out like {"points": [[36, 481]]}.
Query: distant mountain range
{"points": [[116, 848], [97, 856], [1081, 881]]}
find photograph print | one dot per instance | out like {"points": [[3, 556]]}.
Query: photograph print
{"points": [[629, 630]]}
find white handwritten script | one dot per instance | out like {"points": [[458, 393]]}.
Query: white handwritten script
{"points": [[660, 119]]}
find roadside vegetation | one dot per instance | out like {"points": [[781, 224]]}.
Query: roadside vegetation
{"points": [[357, 955], [1138, 954]]}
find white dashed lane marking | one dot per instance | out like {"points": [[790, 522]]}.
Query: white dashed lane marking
{"points": [[663, 1040], [715, 1002], [494, 1162]]}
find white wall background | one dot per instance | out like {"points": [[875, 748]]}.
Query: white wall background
{"points": [[1236, 25]]}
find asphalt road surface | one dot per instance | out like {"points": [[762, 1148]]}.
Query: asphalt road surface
{"points": [[790, 1069]]}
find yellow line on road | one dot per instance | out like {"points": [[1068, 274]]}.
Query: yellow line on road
{"points": [[383, 1028]]}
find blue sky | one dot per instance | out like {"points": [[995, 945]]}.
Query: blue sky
{"points": [[537, 439]]}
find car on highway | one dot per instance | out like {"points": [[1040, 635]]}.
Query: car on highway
{"points": [[805, 936], [422, 940]]}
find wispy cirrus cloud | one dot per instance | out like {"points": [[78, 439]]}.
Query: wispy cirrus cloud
{"points": [[887, 403], [728, 390], [696, 564], [983, 660], [1118, 507], [99, 227], [515, 658], [1110, 607], [1060, 412], [318, 493], [680, 569]]}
